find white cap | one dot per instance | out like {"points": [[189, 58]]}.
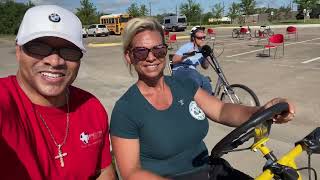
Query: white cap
{"points": [[50, 20]]}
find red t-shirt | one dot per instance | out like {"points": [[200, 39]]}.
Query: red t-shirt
{"points": [[27, 150]]}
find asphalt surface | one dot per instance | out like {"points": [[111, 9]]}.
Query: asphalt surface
{"points": [[294, 75]]}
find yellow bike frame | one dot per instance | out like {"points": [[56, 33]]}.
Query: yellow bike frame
{"points": [[286, 160]]}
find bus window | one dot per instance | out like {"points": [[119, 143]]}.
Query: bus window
{"points": [[124, 19]]}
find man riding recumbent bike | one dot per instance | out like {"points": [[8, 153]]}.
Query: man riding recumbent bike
{"points": [[258, 127]]}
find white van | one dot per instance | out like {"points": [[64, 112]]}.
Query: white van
{"points": [[175, 23]]}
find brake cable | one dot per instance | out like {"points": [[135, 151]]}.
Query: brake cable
{"points": [[309, 168]]}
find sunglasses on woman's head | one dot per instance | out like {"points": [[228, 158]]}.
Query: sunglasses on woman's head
{"points": [[43, 49], [141, 53]]}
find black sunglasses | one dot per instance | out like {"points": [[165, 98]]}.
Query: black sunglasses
{"points": [[141, 53], [201, 38], [43, 49]]}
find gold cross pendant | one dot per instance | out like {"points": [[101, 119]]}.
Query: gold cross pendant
{"points": [[60, 155]]}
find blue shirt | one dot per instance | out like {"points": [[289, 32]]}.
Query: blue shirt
{"points": [[192, 61]]}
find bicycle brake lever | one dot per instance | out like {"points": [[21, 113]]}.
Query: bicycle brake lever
{"points": [[283, 172], [311, 142]]}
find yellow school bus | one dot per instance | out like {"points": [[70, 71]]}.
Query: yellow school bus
{"points": [[115, 22]]}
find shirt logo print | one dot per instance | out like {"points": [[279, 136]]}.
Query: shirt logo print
{"points": [[181, 102], [195, 111], [84, 137]]}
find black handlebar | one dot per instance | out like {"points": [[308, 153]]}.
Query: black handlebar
{"points": [[226, 144], [190, 53], [204, 50]]}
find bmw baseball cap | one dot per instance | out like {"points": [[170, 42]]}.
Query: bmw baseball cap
{"points": [[50, 20]]}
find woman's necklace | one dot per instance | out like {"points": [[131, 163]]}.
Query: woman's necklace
{"points": [[59, 146]]}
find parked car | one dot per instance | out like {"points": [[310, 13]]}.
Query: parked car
{"points": [[84, 33], [98, 30]]}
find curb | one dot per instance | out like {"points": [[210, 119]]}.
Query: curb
{"points": [[104, 44]]}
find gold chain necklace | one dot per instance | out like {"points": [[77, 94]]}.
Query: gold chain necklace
{"points": [[59, 146]]}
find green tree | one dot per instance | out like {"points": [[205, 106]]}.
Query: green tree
{"points": [[261, 10], [143, 11], [11, 16], [234, 11], [133, 10], [206, 17], [248, 6], [191, 10], [87, 13], [285, 11], [306, 4], [217, 11]]}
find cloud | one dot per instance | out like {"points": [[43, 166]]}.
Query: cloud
{"points": [[272, 3], [155, 1], [42, 2], [118, 6], [112, 7], [71, 5]]}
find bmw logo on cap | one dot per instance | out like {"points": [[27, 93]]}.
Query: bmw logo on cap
{"points": [[54, 17]]}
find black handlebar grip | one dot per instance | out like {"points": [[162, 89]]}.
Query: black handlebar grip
{"points": [[206, 50]]}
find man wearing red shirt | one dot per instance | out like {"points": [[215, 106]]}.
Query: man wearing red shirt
{"points": [[50, 129]]}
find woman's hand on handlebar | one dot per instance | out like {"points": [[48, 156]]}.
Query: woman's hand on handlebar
{"points": [[285, 117]]}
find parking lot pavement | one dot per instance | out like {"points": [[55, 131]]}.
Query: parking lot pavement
{"points": [[294, 76]]}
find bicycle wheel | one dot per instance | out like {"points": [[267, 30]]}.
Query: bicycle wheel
{"points": [[271, 33], [268, 32], [256, 33], [235, 33], [241, 94]]}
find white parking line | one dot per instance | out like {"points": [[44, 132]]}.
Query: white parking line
{"points": [[314, 59], [313, 43], [248, 52], [244, 42]]}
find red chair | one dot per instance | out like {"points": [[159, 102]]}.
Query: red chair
{"points": [[273, 42], [291, 30], [172, 41], [166, 35], [244, 32], [211, 33]]}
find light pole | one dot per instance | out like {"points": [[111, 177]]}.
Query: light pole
{"points": [[150, 8], [271, 13]]}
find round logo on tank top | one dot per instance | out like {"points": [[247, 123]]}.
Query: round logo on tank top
{"points": [[195, 111]]}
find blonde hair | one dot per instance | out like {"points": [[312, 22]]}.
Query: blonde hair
{"points": [[135, 26]]}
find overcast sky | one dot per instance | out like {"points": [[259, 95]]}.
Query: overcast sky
{"points": [[157, 6]]}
